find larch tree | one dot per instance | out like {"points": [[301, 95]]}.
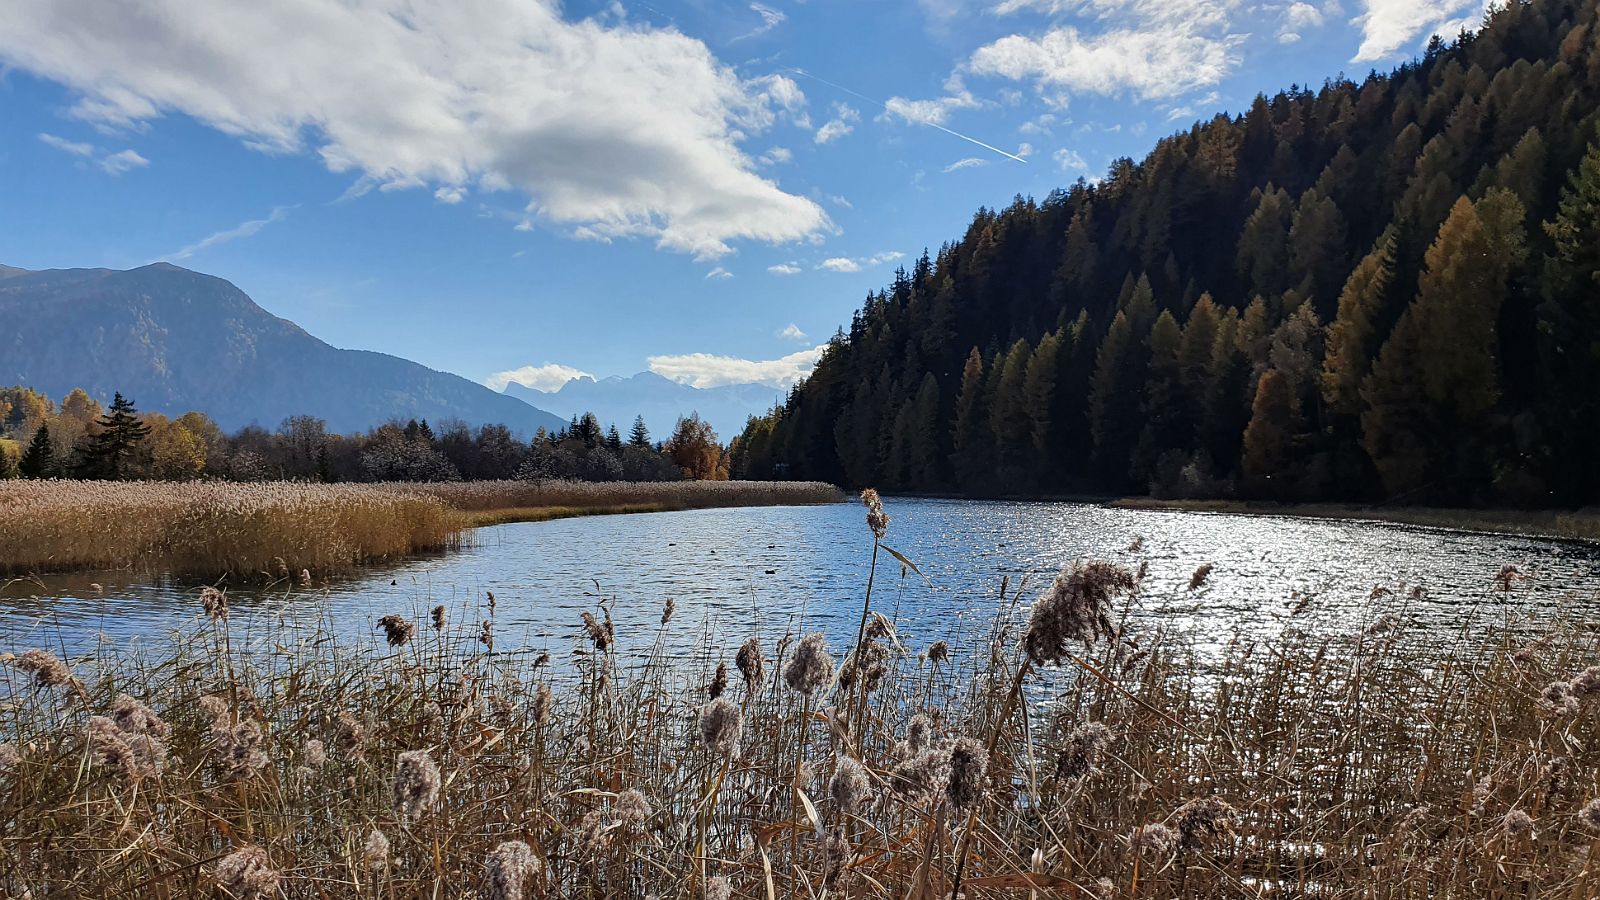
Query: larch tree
{"points": [[1569, 326], [971, 439]]}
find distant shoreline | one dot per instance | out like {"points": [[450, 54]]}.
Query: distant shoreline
{"points": [[1581, 525]]}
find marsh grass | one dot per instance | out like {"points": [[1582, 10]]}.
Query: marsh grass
{"points": [[210, 530], [1043, 759]]}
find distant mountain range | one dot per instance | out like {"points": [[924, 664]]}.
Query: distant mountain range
{"points": [[175, 340], [617, 400]]}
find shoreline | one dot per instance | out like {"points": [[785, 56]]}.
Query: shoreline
{"points": [[1579, 526]]}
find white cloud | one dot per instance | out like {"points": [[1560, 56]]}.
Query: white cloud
{"points": [[1196, 13], [548, 377], [705, 370], [968, 163], [122, 161], [450, 194], [792, 332], [842, 123], [1387, 26], [615, 130], [1152, 63], [770, 19], [847, 265], [1070, 160], [718, 273], [1024, 150], [241, 230], [1302, 15], [66, 146], [1288, 37], [838, 200], [775, 156], [930, 112], [110, 163], [787, 268]]}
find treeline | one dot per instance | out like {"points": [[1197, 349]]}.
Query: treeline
{"points": [[79, 439], [1378, 291]]}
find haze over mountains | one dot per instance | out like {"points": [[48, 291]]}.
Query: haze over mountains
{"points": [[176, 340], [618, 399]]}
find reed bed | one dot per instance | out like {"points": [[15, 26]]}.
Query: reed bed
{"points": [[1062, 754], [214, 529], [211, 530], [475, 496]]}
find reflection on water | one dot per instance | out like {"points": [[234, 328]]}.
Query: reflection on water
{"points": [[773, 569]]}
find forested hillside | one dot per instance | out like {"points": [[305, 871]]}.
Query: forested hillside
{"points": [[1386, 290]]}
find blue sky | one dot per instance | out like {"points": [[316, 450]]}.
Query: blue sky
{"points": [[516, 188]]}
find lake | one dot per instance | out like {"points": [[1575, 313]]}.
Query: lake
{"points": [[781, 568]]}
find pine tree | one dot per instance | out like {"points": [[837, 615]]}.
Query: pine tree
{"points": [[639, 435], [114, 453], [39, 460]]}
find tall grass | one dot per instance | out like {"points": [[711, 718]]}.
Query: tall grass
{"points": [[1060, 755], [502, 495], [214, 529]]}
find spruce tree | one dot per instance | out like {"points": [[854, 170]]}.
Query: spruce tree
{"points": [[39, 460], [115, 452], [639, 435]]}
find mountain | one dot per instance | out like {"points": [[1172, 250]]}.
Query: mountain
{"points": [[176, 340], [1385, 290], [661, 401]]}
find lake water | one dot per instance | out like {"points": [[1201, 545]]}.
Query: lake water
{"points": [[782, 568]]}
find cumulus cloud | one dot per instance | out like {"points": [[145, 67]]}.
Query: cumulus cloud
{"points": [[705, 370], [1388, 26], [775, 156], [792, 332], [450, 194], [846, 264], [611, 130], [842, 123], [718, 274], [122, 161], [970, 162], [1070, 160], [241, 230], [787, 268], [1149, 63], [930, 112], [548, 377]]}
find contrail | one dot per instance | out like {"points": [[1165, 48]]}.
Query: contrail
{"points": [[950, 131]]}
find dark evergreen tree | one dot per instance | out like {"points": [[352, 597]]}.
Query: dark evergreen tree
{"points": [[39, 460], [115, 451]]}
